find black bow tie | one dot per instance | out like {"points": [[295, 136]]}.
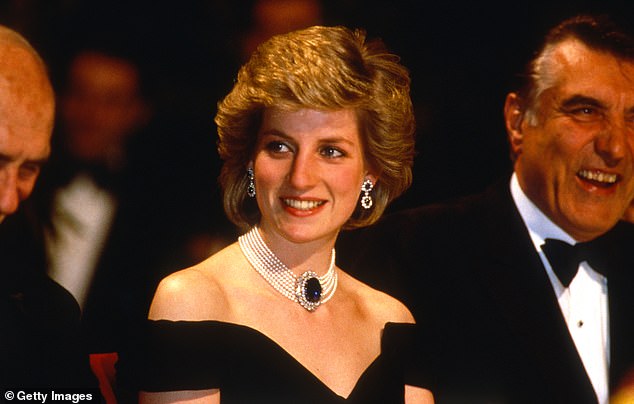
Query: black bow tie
{"points": [[565, 258]]}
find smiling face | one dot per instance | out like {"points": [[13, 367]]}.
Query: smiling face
{"points": [[309, 167], [26, 120], [575, 162]]}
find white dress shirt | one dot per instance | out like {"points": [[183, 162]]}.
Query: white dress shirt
{"points": [[81, 219], [584, 303]]}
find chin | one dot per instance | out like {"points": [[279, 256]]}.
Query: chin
{"points": [[305, 233], [592, 228]]}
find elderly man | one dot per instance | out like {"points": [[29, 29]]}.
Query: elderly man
{"points": [[499, 322], [39, 346]]}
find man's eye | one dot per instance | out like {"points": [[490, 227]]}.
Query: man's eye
{"points": [[332, 152], [585, 113], [28, 171]]}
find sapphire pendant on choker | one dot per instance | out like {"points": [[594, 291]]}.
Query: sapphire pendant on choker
{"points": [[308, 290]]}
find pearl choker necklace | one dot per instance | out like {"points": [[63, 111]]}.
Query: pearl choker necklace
{"points": [[308, 289]]}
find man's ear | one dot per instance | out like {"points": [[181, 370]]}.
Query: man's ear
{"points": [[513, 115]]}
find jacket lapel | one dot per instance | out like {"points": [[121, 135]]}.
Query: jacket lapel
{"points": [[617, 246], [517, 281]]}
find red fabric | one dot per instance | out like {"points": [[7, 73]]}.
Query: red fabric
{"points": [[102, 365]]}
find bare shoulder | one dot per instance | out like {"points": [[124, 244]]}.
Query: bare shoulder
{"points": [[181, 295], [195, 293], [378, 304]]}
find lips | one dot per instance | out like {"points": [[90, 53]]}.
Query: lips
{"points": [[598, 177], [303, 205]]}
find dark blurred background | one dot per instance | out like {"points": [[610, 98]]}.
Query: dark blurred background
{"points": [[178, 58], [462, 55], [171, 62]]}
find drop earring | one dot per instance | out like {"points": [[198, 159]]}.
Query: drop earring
{"points": [[366, 199], [251, 185]]}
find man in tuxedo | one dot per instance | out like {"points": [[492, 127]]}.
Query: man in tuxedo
{"points": [[39, 320], [124, 191], [498, 324], [83, 197]]}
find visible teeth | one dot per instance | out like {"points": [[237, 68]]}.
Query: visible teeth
{"points": [[302, 205], [598, 176]]}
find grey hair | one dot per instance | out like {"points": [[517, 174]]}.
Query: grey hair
{"points": [[599, 33], [543, 75]]}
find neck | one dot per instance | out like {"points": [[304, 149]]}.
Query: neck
{"points": [[299, 257], [308, 289]]}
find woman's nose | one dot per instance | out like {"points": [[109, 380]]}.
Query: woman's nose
{"points": [[304, 172]]}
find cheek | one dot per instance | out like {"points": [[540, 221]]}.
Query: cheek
{"points": [[572, 143], [348, 185], [268, 175], [25, 187], [556, 146], [630, 144], [572, 138]]}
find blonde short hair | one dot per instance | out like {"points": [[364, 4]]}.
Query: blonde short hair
{"points": [[326, 68]]}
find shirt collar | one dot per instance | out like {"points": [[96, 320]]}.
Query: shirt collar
{"points": [[540, 227]]}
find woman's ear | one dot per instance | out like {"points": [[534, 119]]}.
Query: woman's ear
{"points": [[513, 115], [371, 177]]}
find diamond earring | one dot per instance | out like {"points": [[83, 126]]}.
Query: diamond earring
{"points": [[366, 199], [251, 185]]}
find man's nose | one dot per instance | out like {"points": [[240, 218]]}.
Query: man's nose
{"points": [[9, 192], [612, 144]]}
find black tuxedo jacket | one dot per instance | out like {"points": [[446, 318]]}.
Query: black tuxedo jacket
{"points": [[40, 337], [490, 325], [159, 208]]}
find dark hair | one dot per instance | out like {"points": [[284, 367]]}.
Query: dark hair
{"points": [[600, 33]]}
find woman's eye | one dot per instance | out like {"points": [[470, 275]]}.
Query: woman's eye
{"points": [[277, 147], [332, 152]]}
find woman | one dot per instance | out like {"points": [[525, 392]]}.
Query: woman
{"points": [[316, 136]]}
